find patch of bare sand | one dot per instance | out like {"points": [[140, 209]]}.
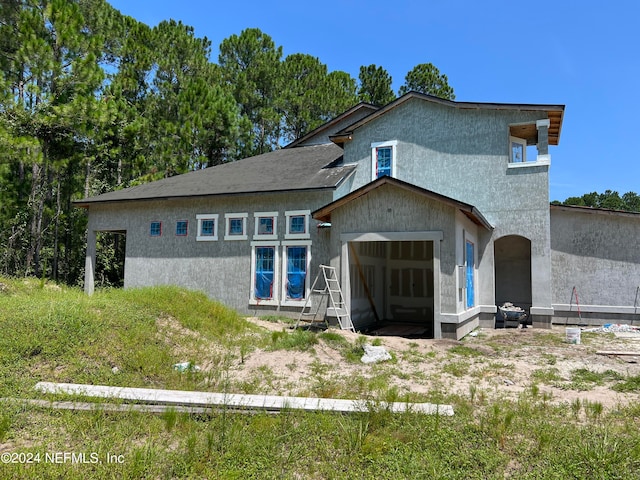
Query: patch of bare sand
{"points": [[505, 366]]}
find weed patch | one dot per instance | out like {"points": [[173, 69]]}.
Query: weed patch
{"points": [[465, 351], [297, 339], [630, 384]]}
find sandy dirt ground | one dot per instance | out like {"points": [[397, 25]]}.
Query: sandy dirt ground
{"points": [[498, 364]]}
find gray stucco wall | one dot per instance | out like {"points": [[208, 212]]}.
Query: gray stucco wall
{"points": [[597, 252], [392, 209], [323, 136], [222, 268], [464, 154]]}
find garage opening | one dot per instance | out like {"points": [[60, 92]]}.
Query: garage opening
{"points": [[392, 287]]}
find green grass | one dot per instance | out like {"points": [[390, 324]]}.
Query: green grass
{"points": [[59, 334], [525, 439], [465, 351], [630, 384], [301, 340]]}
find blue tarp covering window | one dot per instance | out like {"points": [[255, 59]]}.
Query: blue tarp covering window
{"points": [[296, 224], [264, 272], [156, 229], [236, 226], [207, 227], [383, 161], [265, 226], [181, 227], [296, 272], [470, 263]]}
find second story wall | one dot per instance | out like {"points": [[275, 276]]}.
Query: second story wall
{"points": [[462, 153]]}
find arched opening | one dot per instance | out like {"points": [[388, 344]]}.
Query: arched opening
{"points": [[513, 271]]}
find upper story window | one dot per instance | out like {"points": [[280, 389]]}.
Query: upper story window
{"points": [[383, 159], [529, 144], [266, 227], [207, 227], [297, 224], [155, 229], [236, 226], [518, 150]]}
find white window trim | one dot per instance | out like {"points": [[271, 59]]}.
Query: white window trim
{"points": [[276, 274], [390, 143], [542, 160], [227, 220], [289, 302], [207, 238], [258, 216], [297, 213]]}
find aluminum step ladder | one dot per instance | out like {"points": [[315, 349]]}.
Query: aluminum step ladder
{"points": [[336, 300]]}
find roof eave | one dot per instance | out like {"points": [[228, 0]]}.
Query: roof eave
{"points": [[594, 210], [86, 204], [323, 214], [330, 123], [554, 112]]}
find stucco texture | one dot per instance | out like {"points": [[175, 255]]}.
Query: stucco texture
{"points": [[219, 268], [597, 252]]}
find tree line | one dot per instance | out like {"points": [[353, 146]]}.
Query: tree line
{"points": [[92, 100], [610, 199]]}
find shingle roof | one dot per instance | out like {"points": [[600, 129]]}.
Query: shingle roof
{"points": [[301, 168]]}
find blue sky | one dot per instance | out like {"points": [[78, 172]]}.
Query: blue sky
{"points": [[584, 55]]}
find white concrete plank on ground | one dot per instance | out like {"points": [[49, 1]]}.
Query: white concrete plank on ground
{"points": [[236, 400], [109, 407]]}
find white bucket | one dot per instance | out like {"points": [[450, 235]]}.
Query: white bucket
{"points": [[573, 336]]}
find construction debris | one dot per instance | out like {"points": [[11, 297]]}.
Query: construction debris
{"points": [[614, 328], [237, 401], [618, 353], [373, 354], [186, 367]]}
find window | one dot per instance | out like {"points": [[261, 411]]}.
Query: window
{"points": [[156, 229], [266, 226], [265, 269], [296, 272], [181, 228], [295, 266], [236, 226], [297, 224], [383, 159], [296, 262], [517, 150], [207, 227], [264, 273], [470, 267]]}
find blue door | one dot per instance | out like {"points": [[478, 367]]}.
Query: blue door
{"points": [[470, 264]]}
